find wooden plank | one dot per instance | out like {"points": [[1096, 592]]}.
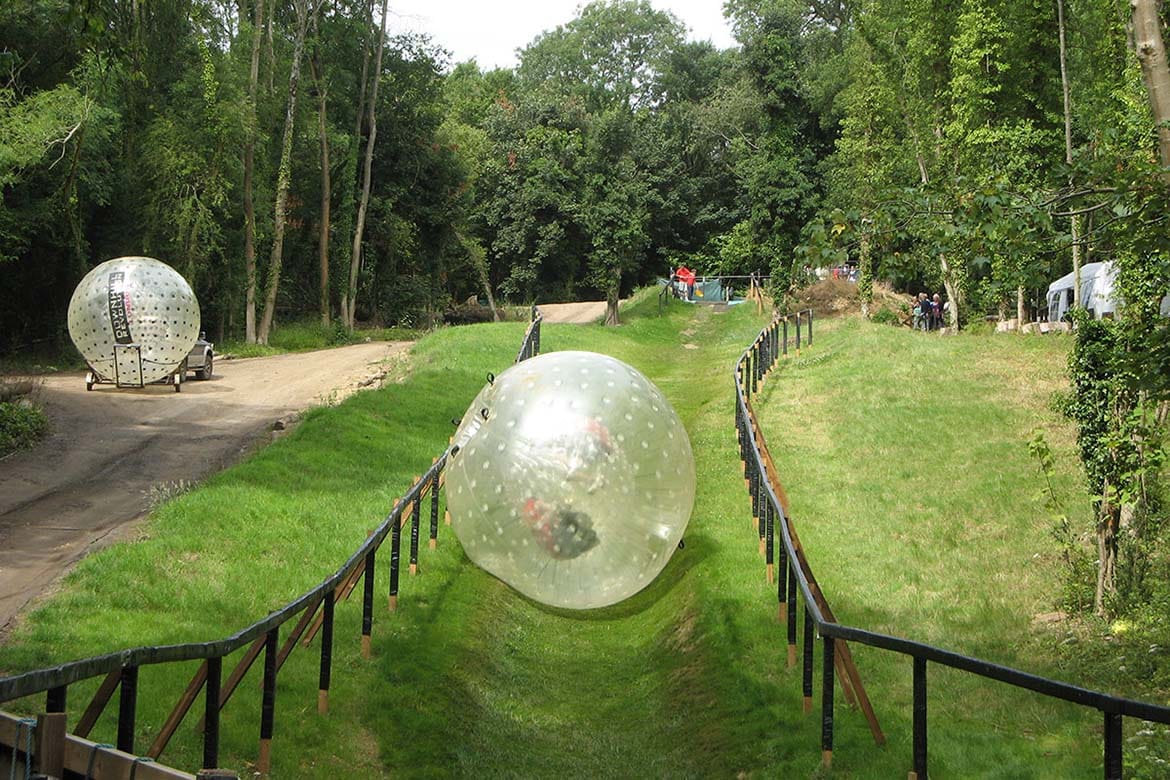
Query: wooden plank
{"points": [[179, 712], [107, 763], [50, 739], [100, 699]]}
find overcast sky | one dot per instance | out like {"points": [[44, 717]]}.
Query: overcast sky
{"points": [[492, 31]]}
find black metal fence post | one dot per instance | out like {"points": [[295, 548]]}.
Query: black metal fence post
{"points": [[127, 708], [395, 555], [827, 702], [268, 701], [211, 713], [798, 334], [784, 349], [769, 540], [415, 522], [810, 319], [55, 699], [435, 509], [782, 584], [367, 604], [1114, 761], [808, 658], [755, 368], [791, 613], [325, 671], [919, 706]]}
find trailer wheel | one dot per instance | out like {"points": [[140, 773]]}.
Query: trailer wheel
{"points": [[205, 372]]}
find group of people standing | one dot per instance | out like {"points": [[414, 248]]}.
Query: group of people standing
{"points": [[928, 312]]}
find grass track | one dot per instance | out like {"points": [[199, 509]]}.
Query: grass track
{"points": [[688, 677]]}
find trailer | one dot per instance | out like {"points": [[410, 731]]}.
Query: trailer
{"points": [[129, 365]]}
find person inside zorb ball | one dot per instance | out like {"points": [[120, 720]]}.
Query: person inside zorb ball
{"points": [[135, 301], [571, 478]]}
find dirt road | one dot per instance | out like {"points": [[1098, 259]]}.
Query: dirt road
{"points": [[576, 313], [93, 476]]}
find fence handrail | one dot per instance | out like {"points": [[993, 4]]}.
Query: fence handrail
{"points": [[752, 365]]}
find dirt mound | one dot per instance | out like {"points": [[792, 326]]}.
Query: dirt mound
{"points": [[838, 297]]}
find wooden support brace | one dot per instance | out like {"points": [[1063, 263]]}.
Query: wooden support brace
{"points": [[100, 699], [322, 702], [393, 603], [807, 704], [827, 759], [179, 712], [367, 649], [770, 575]]}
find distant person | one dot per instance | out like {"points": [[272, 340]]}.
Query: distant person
{"points": [[936, 311], [921, 312], [687, 277]]}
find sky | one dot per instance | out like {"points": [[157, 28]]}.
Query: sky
{"points": [[492, 30]]}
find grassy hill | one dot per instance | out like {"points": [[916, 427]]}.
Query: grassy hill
{"points": [[905, 458]]}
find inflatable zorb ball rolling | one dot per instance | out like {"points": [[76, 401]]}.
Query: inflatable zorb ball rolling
{"points": [[571, 479], [134, 319]]}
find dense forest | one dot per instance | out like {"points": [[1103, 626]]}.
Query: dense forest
{"points": [[297, 158]]}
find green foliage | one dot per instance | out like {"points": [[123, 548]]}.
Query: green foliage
{"points": [[21, 425]]}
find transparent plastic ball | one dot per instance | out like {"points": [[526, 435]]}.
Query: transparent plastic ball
{"points": [[571, 479], [134, 301]]}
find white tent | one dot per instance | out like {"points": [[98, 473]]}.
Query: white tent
{"points": [[1097, 292]]}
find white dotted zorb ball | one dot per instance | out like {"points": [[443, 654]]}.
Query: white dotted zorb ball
{"points": [[571, 479], [134, 301]]}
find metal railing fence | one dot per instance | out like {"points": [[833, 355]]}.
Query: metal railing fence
{"points": [[313, 611], [769, 503]]}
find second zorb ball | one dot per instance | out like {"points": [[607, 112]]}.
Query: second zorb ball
{"points": [[138, 303], [571, 479]]}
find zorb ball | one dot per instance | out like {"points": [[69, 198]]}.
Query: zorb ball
{"points": [[134, 302], [571, 479]]}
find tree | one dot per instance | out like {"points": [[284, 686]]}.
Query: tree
{"points": [[349, 300], [304, 9]]}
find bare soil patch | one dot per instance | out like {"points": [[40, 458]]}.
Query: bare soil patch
{"points": [[85, 485]]}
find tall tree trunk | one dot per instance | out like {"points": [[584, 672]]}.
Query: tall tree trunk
{"points": [[865, 271], [284, 176], [326, 184], [1068, 148], [954, 291], [350, 171], [613, 294], [1108, 519], [1151, 53], [367, 168], [1021, 309], [249, 172]]}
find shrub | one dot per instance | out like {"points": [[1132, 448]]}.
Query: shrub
{"points": [[21, 425], [886, 317]]}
